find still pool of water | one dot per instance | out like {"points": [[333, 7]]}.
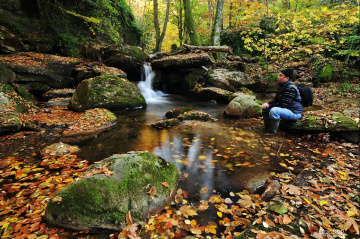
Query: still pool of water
{"points": [[220, 157]]}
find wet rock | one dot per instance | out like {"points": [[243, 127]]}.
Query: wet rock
{"points": [[58, 102], [271, 190], [176, 112], [107, 91], [89, 125], [187, 114], [213, 93], [58, 93], [243, 106], [58, 149], [121, 184]]}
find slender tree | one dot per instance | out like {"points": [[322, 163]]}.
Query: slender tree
{"points": [[189, 24], [215, 34], [160, 36]]}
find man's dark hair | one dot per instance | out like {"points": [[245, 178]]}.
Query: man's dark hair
{"points": [[288, 73]]}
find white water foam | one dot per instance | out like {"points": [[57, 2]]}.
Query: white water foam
{"points": [[145, 86]]}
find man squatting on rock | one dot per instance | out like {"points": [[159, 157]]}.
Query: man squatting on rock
{"points": [[286, 104]]}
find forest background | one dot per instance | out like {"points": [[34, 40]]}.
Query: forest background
{"points": [[276, 31]]}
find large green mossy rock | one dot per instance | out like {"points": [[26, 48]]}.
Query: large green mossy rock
{"points": [[98, 202], [106, 91], [243, 106]]}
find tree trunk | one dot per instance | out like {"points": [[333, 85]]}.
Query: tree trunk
{"points": [[210, 48], [156, 24], [158, 47], [189, 24], [215, 34]]}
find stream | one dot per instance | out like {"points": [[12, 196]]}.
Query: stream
{"points": [[222, 157]]}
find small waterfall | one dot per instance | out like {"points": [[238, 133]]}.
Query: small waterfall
{"points": [[145, 85]]}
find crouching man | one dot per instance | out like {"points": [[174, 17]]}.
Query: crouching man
{"points": [[286, 104]]}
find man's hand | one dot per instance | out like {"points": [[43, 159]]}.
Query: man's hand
{"points": [[265, 106]]}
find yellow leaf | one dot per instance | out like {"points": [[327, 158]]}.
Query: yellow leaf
{"points": [[351, 213], [341, 172], [202, 157], [219, 214], [323, 202], [204, 190]]}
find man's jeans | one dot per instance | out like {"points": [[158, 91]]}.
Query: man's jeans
{"points": [[277, 113]]}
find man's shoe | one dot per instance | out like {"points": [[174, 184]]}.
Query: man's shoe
{"points": [[273, 126]]}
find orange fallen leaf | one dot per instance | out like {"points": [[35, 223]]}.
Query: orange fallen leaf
{"points": [[165, 184], [286, 219]]}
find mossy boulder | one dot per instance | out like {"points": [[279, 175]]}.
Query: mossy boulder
{"points": [[89, 125], [106, 91], [9, 122], [11, 101], [336, 123], [139, 183], [332, 122], [177, 111], [243, 106]]}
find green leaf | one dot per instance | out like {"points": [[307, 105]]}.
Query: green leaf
{"points": [[279, 208]]}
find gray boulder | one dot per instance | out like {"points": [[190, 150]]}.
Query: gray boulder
{"points": [[106, 91], [139, 183], [229, 80], [214, 93], [243, 106]]}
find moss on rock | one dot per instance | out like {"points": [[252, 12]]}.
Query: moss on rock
{"points": [[106, 91], [98, 202]]}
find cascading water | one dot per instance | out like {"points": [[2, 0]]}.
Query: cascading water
{"points": [[145, 85]]}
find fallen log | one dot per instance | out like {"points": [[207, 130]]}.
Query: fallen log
{"points": [[190, 60], [210, 48]]}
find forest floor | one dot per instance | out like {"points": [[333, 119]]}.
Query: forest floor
{"points": [[321, 202]]}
